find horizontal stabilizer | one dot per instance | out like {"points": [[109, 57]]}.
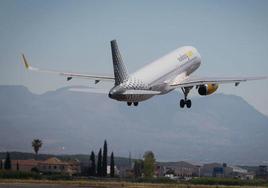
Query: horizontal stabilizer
{"points": [[141, 92]]}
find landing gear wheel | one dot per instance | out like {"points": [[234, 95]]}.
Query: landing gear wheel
{"points": [[182, 103], [185, 101], [188, 103], [136, 103], [129, 103]]}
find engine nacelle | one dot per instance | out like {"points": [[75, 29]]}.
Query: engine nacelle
{"points": [[207, 89]]}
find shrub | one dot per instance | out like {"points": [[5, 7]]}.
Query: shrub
{"points": [[8, 174], [226, 181], [155, 180], [58, 177]]}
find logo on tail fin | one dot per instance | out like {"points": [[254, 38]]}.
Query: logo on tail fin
{"points": [[120, 71]]}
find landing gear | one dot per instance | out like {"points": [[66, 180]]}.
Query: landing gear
{"points": [[186, 101], [134, 103], [183, 102]]}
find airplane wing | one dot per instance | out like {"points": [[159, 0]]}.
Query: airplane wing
{"points": [[68, 75], [141, 92], [196, 81], [91, 90]]}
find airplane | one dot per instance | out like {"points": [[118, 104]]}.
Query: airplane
{"points": [[163, 75]]}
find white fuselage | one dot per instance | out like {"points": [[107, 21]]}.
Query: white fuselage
{"points": [[158, 75]]}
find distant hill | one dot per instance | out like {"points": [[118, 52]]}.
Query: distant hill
{"points": [[222, 128], [119, 161]]}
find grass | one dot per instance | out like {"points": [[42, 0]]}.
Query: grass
{"points": [[228, 181], [111, 184]]}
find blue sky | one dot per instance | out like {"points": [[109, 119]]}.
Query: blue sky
{"points": [[231, 36]]}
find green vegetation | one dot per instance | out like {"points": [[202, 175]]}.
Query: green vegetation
{"points": [[142, 175], [112, 165], [92, 164], [112, 184], [155, 180], [36, 144], [228, 181], [17, 166], [102, 163], [104, 159], [7, 164], [99, 165], [149, 164], [9, 174], [138, 168], [57, 177]]}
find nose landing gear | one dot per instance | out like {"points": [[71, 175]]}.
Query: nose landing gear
{"points": [[134, 103], [186, 101]]}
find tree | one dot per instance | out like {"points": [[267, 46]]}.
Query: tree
{"points": [[36, 144], [104, 159], [99, 165], [1, 164], [138, 168], [18, 167], [149, 164], [92, 164], [7, 162], [112, 165]]}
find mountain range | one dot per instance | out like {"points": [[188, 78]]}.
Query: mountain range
{"points": [[221, 128]]}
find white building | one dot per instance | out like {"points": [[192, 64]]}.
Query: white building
{"points": [[116, 171]]}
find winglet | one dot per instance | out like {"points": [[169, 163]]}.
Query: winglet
{"points": [[27, 66]]}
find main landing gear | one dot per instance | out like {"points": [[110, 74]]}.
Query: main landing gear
{"points": [[134, 103], [186, 101]]}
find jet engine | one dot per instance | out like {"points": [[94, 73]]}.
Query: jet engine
{"points": [[207, 89]]}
